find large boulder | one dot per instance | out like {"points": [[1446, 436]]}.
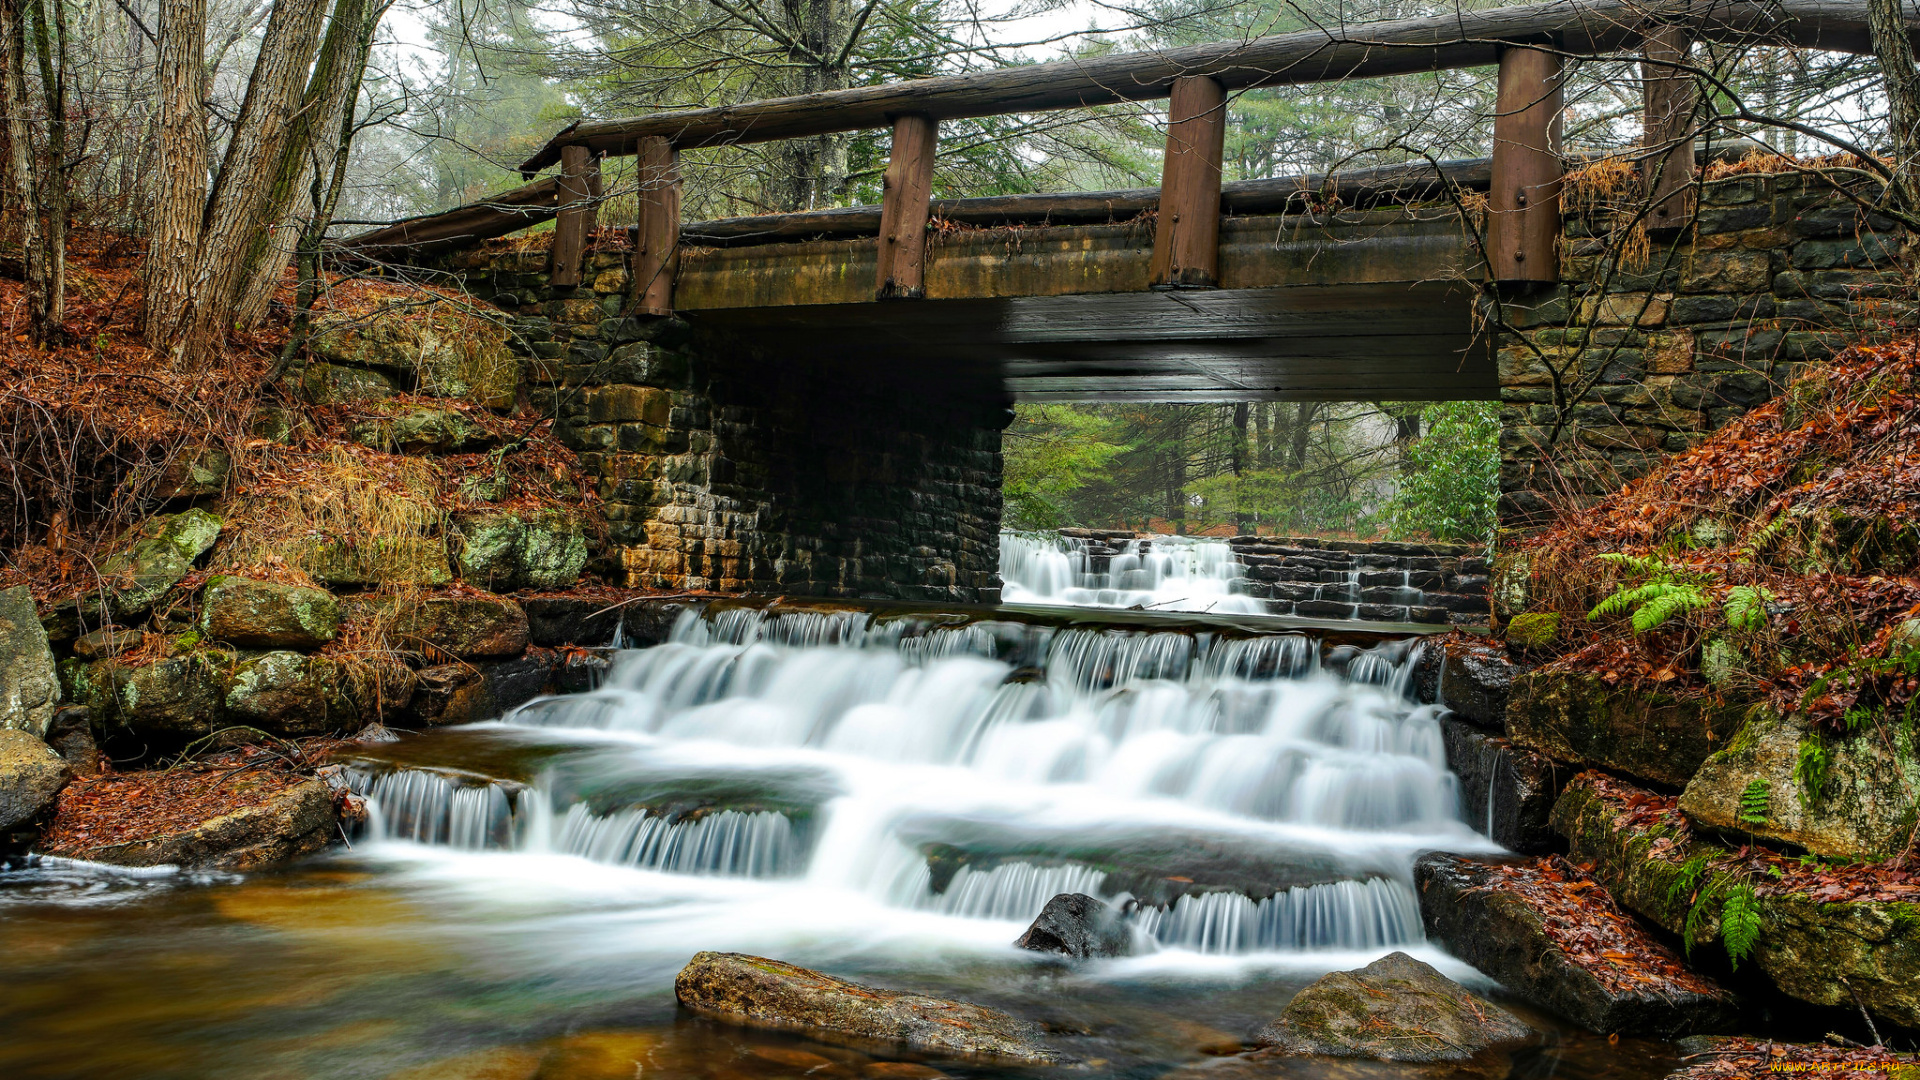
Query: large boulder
{"points": [[167, 702], [29, 685], [31, 775], [1554, 939], [503, 550], [253, 821], [1816, 941], [1505, 791], [1578, 718], [410, 429], [280, 693], [464, 626], [1862, 805], [1475, 679], [445, 349], [764, 993], [1080, 926], [1394, 1009], [162, 552], [265, 615]]}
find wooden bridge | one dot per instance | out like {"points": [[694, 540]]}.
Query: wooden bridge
{"points": [[1197, 290]]}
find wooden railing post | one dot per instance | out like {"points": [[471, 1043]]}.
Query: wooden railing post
{"points": [[1523, 220], [907, 192], [1186, 238], [579, 194], [656, 237], [1670, 98]]}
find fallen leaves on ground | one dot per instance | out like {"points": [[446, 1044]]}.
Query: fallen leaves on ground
{"points": [[1746, 1057]]}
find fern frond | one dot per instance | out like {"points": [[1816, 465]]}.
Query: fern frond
{"points": [[1746, 607], [1666, 602], [1756, 803], [1644, 565], [1739, 923], [1624, 600]]}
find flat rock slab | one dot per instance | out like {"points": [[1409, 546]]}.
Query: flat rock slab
{"points": [[1579, 719], [1394, 1009], [1552, 935], [247, 822], [764, 993]]}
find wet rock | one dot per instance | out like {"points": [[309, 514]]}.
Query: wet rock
{"points": [[900, 1070], [264, 615], [1507, 937], [464, 693], [1394, 1009], [764, 993], [162, 552], [594, 620], [31, 775], [70, 733], [1475, 678], [1080, 926], [1863, 806], [1533, 630], [1578, 718], [1505, 792], [465, 626], [297, 820], [29, 685], [1820, 952], [280, 693], [507, 551], [107, 643]]}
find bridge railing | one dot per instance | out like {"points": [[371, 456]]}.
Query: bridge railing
{"points": [[1528, 45]]}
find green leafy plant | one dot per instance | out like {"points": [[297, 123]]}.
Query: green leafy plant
{"points": [[1739, 923], [1684, 883], [1653, 602], [1815, 766], [1746, 607], [1756, 804]]}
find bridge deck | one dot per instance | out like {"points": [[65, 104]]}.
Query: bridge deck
{"points": [[1359, 305]]}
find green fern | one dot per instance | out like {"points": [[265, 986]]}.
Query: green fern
{"points": [[1739, 923], [1644, 565], [1669, 601], [1746, 607], [1768, 533], [1814, 768], [1654, 602], [1756, 804], [1680, 890]]}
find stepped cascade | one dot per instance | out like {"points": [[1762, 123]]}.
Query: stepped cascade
{"points": [[798, 774], [1166, 573]]}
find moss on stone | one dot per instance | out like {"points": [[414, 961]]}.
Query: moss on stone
{"points": [[1533, 630], [1577, 717]]}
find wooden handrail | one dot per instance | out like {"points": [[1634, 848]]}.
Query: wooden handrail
{"points": [[1367, 50]]}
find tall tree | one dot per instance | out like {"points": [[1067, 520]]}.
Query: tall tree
{"points": [[1887, 23]]}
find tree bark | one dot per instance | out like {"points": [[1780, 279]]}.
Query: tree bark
{"points": [[241, 190], [20, 175], [336, 75], [50, 48], [180, 170], [1887, 24]]}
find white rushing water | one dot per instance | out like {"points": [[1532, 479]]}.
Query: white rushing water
{"points": [[1173, 573], [773, 783]]}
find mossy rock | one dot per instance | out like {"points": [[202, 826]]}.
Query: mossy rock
{"points": [[1846, 542], [447, 350], [195, 473], [266, 615], [422, 431], [337, 384], [465, 626], [379, 561], [162, 552], [1577, 718], [278, 692], [1821, 953], [166, 703], [1533, 630], [1394, 1009], [503, 550], [1865, 807]]}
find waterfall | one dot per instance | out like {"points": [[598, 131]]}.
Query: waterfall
{"points": [[1272, 791], [1164, 573]]}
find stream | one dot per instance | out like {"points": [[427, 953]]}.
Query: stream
{"points": [[891, 801]]}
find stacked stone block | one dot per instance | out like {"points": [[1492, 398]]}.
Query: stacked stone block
{"points": [[1620, 365]]}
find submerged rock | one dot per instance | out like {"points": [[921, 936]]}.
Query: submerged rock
{"points": [[1578, 718], [1863, 803], [29, 686], [1632, 985], [31, 775], [264, 615], [765, 993], [1080, 926], [1394, 1009]]}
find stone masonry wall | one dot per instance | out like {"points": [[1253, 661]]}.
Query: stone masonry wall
{"points": [[1622, 364], [722, 468]]}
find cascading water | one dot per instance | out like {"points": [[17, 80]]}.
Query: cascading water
{"points": [[1228, 794], [1166, 573]]}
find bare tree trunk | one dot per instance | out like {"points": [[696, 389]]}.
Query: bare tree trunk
{"points": [[20, 176], [234, 210], [336, 75], [1239, 460], [816, 167], [1302, 434], [50, 48], [1887, 24], [180, 170]]}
